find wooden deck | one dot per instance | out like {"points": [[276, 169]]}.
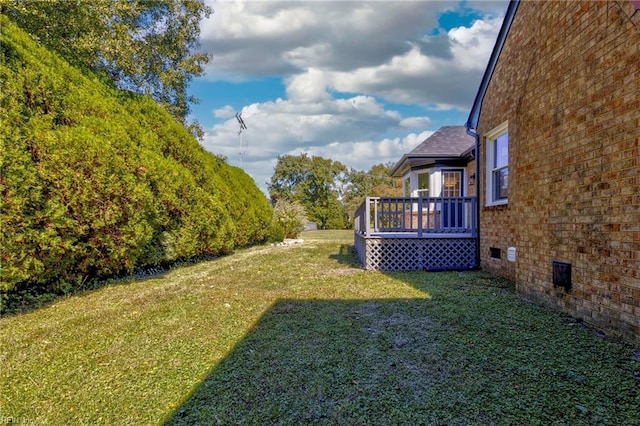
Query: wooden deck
{"points": [[417, 233]]}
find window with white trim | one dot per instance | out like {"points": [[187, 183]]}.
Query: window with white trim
{"points": [[423, 184], [451, 183], [497, 165]]}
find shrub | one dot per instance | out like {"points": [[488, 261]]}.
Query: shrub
{"points": [[96, 182], [248, 206], [289, 219]]}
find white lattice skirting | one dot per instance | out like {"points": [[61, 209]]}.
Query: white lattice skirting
{"points": [[411, 254]]}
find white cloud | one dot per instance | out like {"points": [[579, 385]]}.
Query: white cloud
{"points": [[308, 87], [416, 122], [413, 77], [472, 46], [347, 130], [340, 63], [226, 111], [285, 125], [361, 155], [383, 49], [258, 38]]}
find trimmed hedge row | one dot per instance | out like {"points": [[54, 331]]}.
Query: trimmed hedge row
{"points": [[97, 182]]}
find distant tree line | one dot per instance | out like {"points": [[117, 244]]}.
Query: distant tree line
{"points": [[328, 190], [96, 182]]}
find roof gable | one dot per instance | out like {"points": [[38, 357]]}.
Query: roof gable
{"points": [[474, 114], [448, 143]]}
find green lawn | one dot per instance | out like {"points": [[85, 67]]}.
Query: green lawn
{"points": [[301, 335]]}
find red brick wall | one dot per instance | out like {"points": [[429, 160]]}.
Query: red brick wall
{"points": [[568, 82]]}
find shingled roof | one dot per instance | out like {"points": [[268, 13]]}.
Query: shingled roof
{"points": [[447, 143]]}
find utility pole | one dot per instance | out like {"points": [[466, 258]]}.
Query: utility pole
{"points": [[242, 127]]}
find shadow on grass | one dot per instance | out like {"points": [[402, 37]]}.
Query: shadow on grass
{"points": [[469, 352], [347, 256], [323, 361]]}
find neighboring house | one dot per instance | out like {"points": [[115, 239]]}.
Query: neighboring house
{"points": [[441, 166], [558, 122]]}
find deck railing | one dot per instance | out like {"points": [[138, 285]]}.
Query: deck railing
{"points": [[417, 215]]}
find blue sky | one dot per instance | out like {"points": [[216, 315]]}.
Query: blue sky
{"points": [[358, 82]]}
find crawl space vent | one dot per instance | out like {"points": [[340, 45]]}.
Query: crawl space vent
{"points": [[562, 274], [495, 253]]}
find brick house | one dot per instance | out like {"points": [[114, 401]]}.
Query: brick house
{"points": [[557, 118]]}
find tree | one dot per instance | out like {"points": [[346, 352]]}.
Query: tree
{"points": [[315, 183], [385, 185], [145, 46], [377, 182]]}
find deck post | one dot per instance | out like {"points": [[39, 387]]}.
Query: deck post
{"points": [[367, 207], [420, 217], [375, 214]]}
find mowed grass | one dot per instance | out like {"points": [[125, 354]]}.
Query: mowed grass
{"points": [[302, 335]]}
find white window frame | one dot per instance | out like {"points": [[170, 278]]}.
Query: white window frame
{"points": [[423, 192], [462, 181], [490, 149]]}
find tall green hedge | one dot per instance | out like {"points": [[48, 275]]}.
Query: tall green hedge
{"points": [[96, 182]]}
